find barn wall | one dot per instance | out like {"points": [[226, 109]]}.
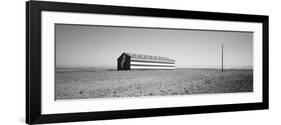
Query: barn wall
{"points": [[144, 64], [153, 61], [150, 63], [150, 67]]}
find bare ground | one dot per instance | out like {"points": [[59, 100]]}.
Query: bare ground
{"points": [[82, 84]]}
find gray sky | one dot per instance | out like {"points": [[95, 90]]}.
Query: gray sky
{"points": [[99, 46]]}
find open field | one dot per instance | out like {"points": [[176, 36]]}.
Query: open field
{"points": [[91, 83]]}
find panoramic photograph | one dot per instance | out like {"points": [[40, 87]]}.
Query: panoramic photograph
{"points": [[93, 61]]}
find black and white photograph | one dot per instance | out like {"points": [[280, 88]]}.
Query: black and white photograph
{"points": [[97, 61], [89, 62]]}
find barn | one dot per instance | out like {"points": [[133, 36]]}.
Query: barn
{"points": [[130, 61]]}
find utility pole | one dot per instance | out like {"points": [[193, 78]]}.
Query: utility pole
{"points": [[222, 57]]}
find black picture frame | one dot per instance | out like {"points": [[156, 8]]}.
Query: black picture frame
{"points": [[33, 61]]}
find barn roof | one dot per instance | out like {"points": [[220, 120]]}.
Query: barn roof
{"points": [[148, 57]]}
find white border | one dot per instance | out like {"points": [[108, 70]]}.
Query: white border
{"points": [[49, 106]]}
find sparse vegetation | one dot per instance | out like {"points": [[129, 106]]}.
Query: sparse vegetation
{"points": [[82, 84]]}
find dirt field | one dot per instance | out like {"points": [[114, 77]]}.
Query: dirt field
{"points": [[89, 83]]}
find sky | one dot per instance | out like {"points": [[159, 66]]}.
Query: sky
{"points": [[100, 46]]}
